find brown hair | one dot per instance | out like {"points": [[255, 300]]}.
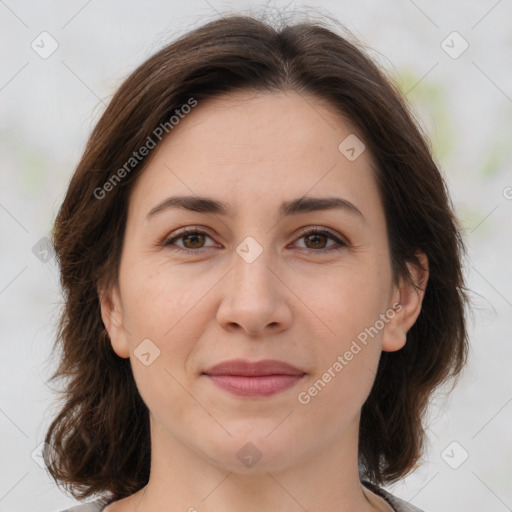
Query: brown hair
{"points": [[100, 438]]}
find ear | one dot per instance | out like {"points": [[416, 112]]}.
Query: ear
{"points": [[113, 319], [406, 304]]}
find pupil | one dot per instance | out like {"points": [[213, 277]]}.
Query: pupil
{"points": [[196, 236], [317, 237]]}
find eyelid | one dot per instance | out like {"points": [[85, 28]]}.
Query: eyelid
{"points": [[323, 230], [188, 230]]}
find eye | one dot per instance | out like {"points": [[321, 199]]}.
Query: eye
{"points": [[318, 237], [193, 240]]}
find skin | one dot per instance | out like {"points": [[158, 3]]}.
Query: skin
{"points": [[293, 303]]}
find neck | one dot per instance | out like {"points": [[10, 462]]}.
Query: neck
{"points": [[183, 480]]}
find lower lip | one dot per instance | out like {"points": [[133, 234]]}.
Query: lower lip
{"points": [[264, 385]]}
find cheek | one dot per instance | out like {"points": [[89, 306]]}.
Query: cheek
{"points": [[348, 355], [166, 305], [350, 305], [333, 399], [160, 300], [162, 390], [349, 301]]}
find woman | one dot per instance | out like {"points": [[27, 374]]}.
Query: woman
{"points": [[263, 284]]}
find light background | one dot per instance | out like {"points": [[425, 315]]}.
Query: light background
{"points": [[49, 107]]}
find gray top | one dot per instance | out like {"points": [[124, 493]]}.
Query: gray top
{"points": [[92, 506], [396, 503]]}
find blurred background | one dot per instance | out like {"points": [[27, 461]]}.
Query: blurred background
{"points": [[61, 62]]}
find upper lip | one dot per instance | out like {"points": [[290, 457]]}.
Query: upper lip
{"points": [[246, 368]]}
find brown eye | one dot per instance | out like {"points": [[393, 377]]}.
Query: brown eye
{"points": [[316, 240], [191, 240]]}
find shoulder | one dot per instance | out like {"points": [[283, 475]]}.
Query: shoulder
{"points": [[397, 504], [93, 506]]}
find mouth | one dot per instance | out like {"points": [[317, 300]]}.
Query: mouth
{"points": [[254, 379]]}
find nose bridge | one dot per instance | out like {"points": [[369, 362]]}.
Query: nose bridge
{"points": [[254, 297], [252, 277]]}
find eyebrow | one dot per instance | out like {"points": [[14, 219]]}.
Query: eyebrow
{"points": [[294, 207]]}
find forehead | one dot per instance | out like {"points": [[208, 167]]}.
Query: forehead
{"points": [[267, 145]]}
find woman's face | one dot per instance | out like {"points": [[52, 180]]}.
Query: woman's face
{"points": [[250, 281]]}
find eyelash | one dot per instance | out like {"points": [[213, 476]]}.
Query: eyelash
{"points": [[169, 242]]}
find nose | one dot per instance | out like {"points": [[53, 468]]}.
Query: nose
{"points": [[255, 299]]}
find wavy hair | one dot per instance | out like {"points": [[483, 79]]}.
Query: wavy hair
{"points": [[100, 437]]}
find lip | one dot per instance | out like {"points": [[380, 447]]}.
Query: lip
{"points": [[245, 368], [252, 379]]}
